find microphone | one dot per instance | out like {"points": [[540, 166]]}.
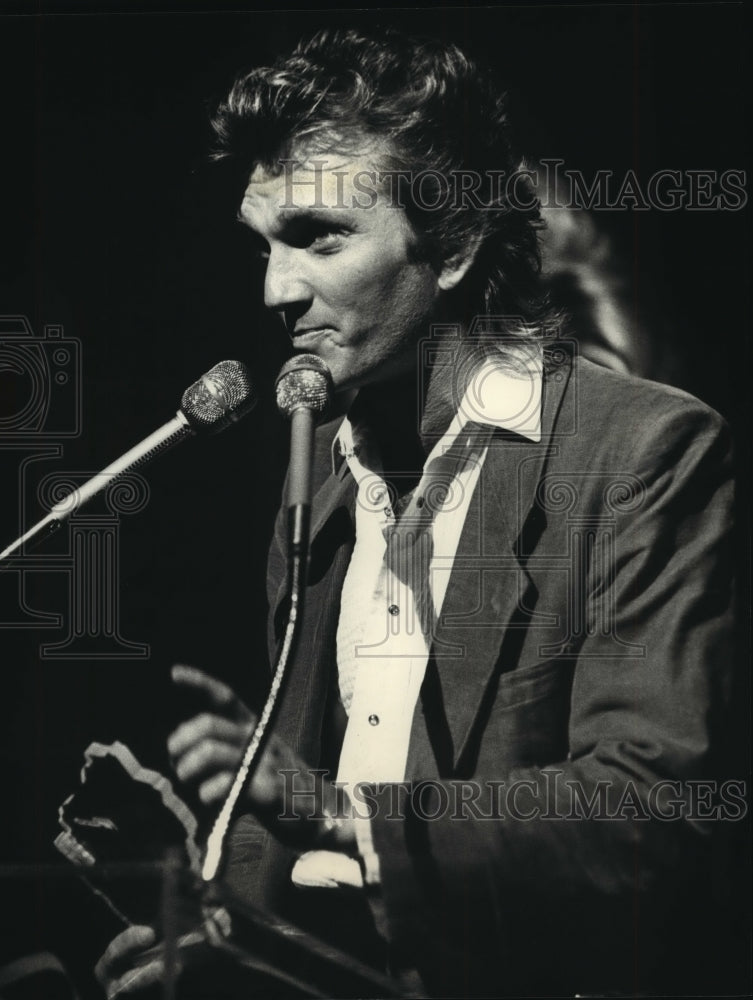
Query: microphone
{"points": [[211, 404], [303, 391]]}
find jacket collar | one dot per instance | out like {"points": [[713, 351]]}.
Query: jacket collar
{"points": [[501, 394]]}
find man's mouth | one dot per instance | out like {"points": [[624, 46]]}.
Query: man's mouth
{"points": [[309, 333]]}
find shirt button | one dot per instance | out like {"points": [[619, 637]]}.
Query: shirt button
{"points": [[393, 609], [373, 720]]}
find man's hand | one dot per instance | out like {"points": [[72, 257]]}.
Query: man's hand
{"points": [[207, 749], [292, 801], [126, 966]]}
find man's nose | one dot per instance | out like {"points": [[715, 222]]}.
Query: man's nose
{"points": [[284, 282]]}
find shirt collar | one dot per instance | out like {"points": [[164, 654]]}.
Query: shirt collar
{"points": [[502, 393]]}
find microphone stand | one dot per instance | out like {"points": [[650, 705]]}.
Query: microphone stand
{"points": [[299, 519]]}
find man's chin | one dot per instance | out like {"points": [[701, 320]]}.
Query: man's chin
{"points": [[348, 376]]}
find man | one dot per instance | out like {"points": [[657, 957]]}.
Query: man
{"points": [[484, 775]]}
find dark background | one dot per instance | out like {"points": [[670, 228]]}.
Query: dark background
{"points": [[113, 226]]}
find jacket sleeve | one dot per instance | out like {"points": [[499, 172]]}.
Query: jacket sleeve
{"points": [[593, 849]]}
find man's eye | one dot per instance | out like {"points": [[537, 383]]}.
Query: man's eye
{"points": [[324, 242], [321, 237]]}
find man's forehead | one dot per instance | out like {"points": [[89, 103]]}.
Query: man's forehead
{"points": [[326, 165], [314, 164], [311, 180]]}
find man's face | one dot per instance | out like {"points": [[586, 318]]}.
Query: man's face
{"points": [[341, 276]]}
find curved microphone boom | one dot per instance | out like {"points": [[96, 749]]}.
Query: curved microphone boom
{"points": [[303, 391], [211, 404]]}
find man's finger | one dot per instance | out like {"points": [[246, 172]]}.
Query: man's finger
{"points": [[203, 727], [120, 953], [209, 757], [137, 979], [215, 789], [220, 695]]}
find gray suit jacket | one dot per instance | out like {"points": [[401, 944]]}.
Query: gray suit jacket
{"points": [[581, 660]]}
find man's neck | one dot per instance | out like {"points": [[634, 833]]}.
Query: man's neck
{"points": [[390, 412]]}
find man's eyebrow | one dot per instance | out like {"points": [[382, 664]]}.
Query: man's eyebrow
{"points": [[297, 215], [287, 217]]}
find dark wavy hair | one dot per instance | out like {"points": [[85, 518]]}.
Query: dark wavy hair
{"points": [[436, 111]]}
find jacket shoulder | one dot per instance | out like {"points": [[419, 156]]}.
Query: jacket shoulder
{"points": [[608, 403]]}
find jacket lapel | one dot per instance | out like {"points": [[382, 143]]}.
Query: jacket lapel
{"points": [[489, 586]]}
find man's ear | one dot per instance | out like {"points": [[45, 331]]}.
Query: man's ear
{"points": [[455, 268]]}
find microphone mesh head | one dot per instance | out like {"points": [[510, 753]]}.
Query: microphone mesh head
{"points": [[219, 398], [304, 381]]}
